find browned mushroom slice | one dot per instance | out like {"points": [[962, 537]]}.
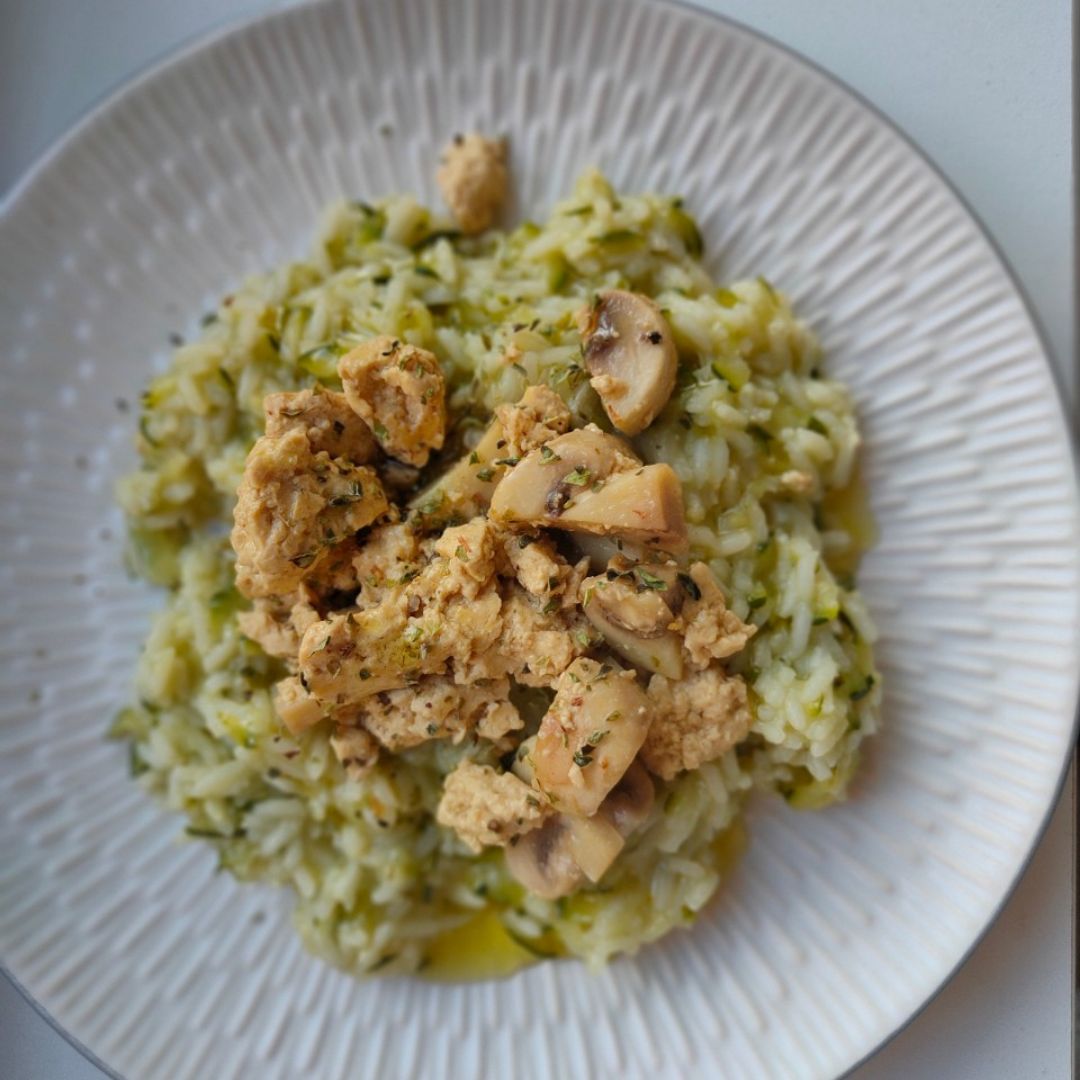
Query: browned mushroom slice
{"points": [[555, 859], [644, 507], [600, 550], [630, 353], [632, 608], [589, 736], [465, 489], [630, 801], [594, 844], [542, 861], [588, 481]]}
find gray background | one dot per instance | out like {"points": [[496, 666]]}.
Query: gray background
{"points": [[984, 87]]}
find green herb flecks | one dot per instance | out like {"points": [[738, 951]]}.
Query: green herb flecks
{"points": [[650, 581]]}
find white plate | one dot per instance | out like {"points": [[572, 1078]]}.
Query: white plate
{"points": [[838, 926]]}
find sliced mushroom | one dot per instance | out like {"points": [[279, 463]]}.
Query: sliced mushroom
{"points": [[630, 801], [465, 489], [542, 861], [554, 859], [589, 736], [587, 481], [630, 353], [594, 844], [644, 507], [523, 766], [634, 606], [600, 550]]}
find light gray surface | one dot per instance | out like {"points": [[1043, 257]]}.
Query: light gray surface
{"points": [[983, 87]]}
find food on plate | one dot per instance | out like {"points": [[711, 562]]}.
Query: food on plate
{"points": [[473, 180], [502, 569]]}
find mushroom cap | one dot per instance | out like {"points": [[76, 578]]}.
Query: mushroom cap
{"points": [[589, 736], [542, 861], [631, 800], [630, 353], [589, 481]]}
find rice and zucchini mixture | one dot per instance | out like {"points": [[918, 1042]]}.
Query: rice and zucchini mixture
{"points": [[765, 446]]}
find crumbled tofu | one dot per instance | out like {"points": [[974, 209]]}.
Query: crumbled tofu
{"points": [[437, 708], [441, 618], [472, 550], [473, 180], [399, 392], [486, 808], [355, 749], [711, 631], [537, 565], [695, 720], [536, 645], [297, 709], [348, 657], [540, 416], [292, 507], [541, 571], [334, 572], [277, 624], [326, 420], [387, 559]]}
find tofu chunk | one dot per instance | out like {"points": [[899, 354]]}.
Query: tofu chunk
{"points": [[399, 392], [385, 561], [355, 749], [541, 571], [444, 619], [293, 505], [695, 720], [486, 808], [711, 632], [326, 420], [276, 625], [473, 180], [472, 551], [540, 416], [535, 645], [437, 708]]}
